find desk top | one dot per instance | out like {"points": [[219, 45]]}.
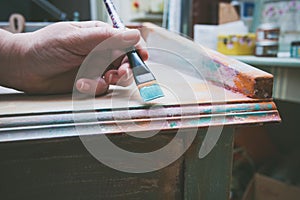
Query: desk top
{"points": [[195, 96]]}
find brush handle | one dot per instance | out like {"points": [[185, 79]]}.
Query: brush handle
{"points": [[111, 9], [134, 58], [141, 72]]}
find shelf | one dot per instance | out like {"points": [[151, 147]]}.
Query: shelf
{"points": [[153, 18], [269, 61]]}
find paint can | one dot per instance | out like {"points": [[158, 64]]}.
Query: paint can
{"points": [[295, 49], [268, 31], [236, 44], [266, 48]]}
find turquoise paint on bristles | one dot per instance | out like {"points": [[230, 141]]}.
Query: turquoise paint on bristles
{"points": [[149, 93]]}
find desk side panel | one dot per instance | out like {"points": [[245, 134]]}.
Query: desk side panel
{"points": [[64, 169]]}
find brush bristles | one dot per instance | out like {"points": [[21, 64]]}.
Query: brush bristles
{"points": [[146, 84], [150, 91]]}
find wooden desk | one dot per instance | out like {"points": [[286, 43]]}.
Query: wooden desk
{"points": [[286, 73], [47, 142]]}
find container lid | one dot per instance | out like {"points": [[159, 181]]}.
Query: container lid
{"points": [[267, 43], [269, 26], [237, 35], [295, 43]]}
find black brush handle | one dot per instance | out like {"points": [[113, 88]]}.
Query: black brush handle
{"points": [[141, 72]]}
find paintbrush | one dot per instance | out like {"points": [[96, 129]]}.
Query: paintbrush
{"points": [[144, 78]]}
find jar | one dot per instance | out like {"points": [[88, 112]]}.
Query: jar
{"points": [[266, 48], [295, 49], [268, 31]]}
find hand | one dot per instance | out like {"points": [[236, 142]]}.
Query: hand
{"points": [[47, 61]]}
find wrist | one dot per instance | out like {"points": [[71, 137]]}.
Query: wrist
{"points": [[13, 50]]}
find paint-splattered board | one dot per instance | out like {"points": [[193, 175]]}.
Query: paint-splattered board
{"points": [[213, 66], [190, 101], [198, 85], [179, 89]]}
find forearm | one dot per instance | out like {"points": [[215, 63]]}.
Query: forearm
{"points": [[12, 53]]}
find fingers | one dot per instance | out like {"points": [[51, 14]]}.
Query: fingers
{"points": [[92, 87], [106, 31], [103, 55], [122, 76], [124, 59], [105, 45], [90, 24], [103, 38], [143, 53], [95, 24]]}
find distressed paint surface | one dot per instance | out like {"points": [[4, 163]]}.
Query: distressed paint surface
{"points": [[64, 169], [205, 179], [136, 120], [226, 71]]}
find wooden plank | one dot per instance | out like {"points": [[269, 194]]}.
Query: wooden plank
{"points": [[63, 168], [286, 74], [213, 66], [40, 125], [208, 178], [195, 90]]}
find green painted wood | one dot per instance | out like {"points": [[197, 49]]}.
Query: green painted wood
{"points": [[63, 169], [209, 178]]}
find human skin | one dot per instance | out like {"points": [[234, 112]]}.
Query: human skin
{"points": [[47, 61]]}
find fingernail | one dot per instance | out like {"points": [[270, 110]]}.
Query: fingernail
{"points": [[84, 86], [128, 74], [110, 78], [130, 35]]}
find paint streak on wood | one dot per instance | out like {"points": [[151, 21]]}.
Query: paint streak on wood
{"points": [[226, 71], [248, 80], [62, 124], [242, 83]]}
